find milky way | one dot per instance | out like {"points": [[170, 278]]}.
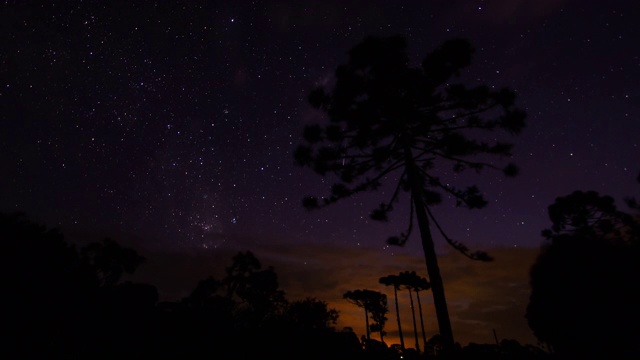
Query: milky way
{"points": [[177, 122]]}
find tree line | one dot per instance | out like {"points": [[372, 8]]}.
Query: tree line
{"points": [[65, 301], [584, 288], [61, 301], [375, 307]]}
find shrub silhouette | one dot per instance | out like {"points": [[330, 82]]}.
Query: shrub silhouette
{"points": [[584, 285]]}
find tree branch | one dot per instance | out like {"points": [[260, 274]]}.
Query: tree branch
{"points": [[477, 255]]}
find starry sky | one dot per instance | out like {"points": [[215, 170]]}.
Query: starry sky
{"points": [[171, 126]]}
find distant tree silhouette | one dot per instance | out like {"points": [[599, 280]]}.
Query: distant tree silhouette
{"points": [[311, 314], [407, 279], [243, 265], [359, 299], [589, 215], [634, 203], [61, 302], [386, 117], [247, 312], [369, 300], [417, 284], [46, 286], [394, 280], [205, 291], [263, 295], [378, 310], [255, 290], [111, 261], [210, 304], [584, 284]]}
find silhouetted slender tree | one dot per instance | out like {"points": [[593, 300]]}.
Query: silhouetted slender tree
{"points": [[387, 117], [378, 310], [420, 285], [406, 279], [359, 299], [393, 280], [412, 281], [371, 301]]}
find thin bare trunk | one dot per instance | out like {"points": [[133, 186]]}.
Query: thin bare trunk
{"points": [[424, 336], [415, 327], [395, 293], [366, 321]]}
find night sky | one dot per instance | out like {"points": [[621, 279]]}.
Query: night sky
{"points": [[171, 127]]}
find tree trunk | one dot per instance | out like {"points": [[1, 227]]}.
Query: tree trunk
{"points": [[424, 336], [395, 293], [415, 327], [442, 314], [366, 321]]}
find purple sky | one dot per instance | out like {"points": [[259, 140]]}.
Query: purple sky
{"points": [[175, 124]]}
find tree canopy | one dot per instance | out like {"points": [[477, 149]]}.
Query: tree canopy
{"points": [[403, 127], [381, 109], [374, 304], [584, 284]]}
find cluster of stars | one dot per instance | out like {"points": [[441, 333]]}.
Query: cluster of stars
{"points": [[179, 122]]}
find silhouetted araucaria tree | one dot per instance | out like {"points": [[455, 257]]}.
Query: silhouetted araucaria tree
{"points": [[412, 281], [374, 304], [388, 120], [378, 310], [394, 280]]}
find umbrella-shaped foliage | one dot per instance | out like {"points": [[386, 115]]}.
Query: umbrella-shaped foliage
{"points": [[389, 121]]}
